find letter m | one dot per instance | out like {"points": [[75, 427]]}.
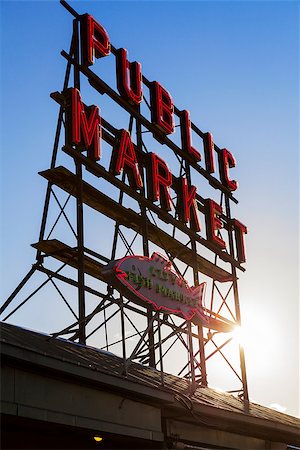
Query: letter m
{"points": [[83, 125]]}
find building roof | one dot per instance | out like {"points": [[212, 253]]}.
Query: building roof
{"points": [[208, 406]]}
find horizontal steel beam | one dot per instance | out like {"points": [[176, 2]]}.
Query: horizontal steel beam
{"points": [[69, 255], [66, 180], [100, 171]]}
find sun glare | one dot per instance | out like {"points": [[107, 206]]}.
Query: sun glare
{"points": [[238, 335], [257, 338]]}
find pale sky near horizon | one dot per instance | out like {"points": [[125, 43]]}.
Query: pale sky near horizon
{"points": [[235, 66]]}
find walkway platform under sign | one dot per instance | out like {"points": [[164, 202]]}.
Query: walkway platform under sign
{"points": [[66, 180]]}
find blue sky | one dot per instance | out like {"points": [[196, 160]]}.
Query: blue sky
{"points": [[234, 65]]}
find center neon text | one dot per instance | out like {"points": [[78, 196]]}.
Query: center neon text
{"points": [[83, 129]]}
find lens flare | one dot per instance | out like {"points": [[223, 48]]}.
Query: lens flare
{"points": [[238, 335]]}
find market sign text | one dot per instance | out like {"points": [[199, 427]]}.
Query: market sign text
{"points": [[83, 129]]}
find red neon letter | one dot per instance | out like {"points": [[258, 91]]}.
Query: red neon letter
{"points": [[94, 40], [159, 180], [124, 158], [187, 205], [208, 144], [186, 138], [83, 125], [129, 77], [240, 230], [213, 223], [162, 108], [226, 160]]}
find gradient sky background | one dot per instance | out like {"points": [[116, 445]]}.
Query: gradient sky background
{"points": [[234, 65]]}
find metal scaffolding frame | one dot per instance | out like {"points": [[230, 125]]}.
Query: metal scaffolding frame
{"points": [[162, 331]]}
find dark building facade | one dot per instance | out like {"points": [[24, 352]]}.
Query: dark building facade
{"points": [[58, 394]]}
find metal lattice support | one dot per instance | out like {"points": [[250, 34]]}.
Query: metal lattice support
{"points": [[158, 333]]}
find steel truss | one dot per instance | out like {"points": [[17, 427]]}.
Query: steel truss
{"points": [[145, 336]]}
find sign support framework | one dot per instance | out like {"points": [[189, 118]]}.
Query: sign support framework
{"points": [[157, 333]]}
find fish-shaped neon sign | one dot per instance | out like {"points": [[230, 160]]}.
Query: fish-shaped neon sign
{"points": [[153, 280]]}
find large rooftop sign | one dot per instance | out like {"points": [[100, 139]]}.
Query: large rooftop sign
{"points": [[149, 177], [164, 235]]}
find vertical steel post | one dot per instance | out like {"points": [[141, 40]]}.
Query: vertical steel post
{"points": [[79, 209], [160, 351], [123, 330], [54, 154], [237, 306], [202, 356], [139, 140], [80, 250], [196, 283], [191, 357]]}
